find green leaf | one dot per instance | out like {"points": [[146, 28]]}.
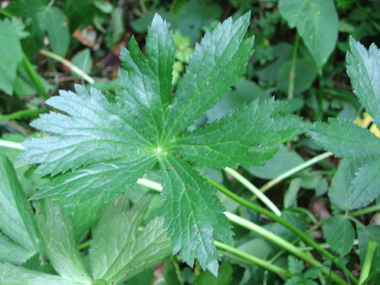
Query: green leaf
{"points": [[224, 276], [58, 236], [16, 217], [83, 60], [366, 234], [128, 250], [216, 64], [317, 23], [193, 214], [364, 69], [10, 274], [58, 31], [229, 141], [11, 252], [10, 56], [345, 139], [339, 234], [366, 185], [340, 188], [295, 265]]}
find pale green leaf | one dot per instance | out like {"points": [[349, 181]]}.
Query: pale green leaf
{"points": [[295, 265], [128, 250], [316, 22], [10, 56], [216, 64], [340, 188], [16, 216], [363, 67], [224, 276], [345, 139], [11, 252], [58, 236], [10, 274], [58, 30], [365, 186], [339, 234], [193, 214]]}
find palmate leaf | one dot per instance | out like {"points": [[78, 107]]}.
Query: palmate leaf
{"points": [[105, 143]]}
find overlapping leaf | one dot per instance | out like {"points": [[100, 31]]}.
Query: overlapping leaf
{"points": [[104, 143], [348, 140]]}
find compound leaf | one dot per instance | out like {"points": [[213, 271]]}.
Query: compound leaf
{"points": [[345, 139], [364, 70], [216, 64], [10, 274], [193, 214], [16, 216], [58, 236], [316, 22], [365, 186], [128, 250]]}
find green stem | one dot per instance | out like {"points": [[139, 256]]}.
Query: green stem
{"points": [[367, 261], [292, 74], [5, 13], [150, 184], [283, 243], [365, 211], [254, 259], [84, 245], [34, 76], [294, 170], [254, 190], [67, 63], [283, 222], [23, 114], [9, 144]]}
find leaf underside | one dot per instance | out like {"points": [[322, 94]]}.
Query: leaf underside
{"points": [[104, 144]]}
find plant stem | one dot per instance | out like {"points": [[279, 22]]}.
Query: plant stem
{"points": [[254, 190], [84, 245], [294, 170], [67, 63], [283, 222], [23, 114], [254, 259], [150, 184], [365, 211], [5, 13], [9, 144], [367, 261], [292, 73], [283, 243], [34, 76]]}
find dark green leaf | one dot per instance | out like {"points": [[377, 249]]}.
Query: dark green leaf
{"points": [[345, 139], [16, 216], [224, 276], [128, 250], [10, 56], [193, 214], [317, 23], [363, 68], [366, 185], [83, 60], [58, 236], [371, 232], [339, 234], [58, 31]]}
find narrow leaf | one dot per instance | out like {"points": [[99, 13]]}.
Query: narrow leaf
{"points": [[10, 274], [345, 139], [119, 250], [59, 239], [58, 30], [364, 70], [193, 214], [317, 23], [16, 216], [366, 185], [216, 65], [339, 234]]}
